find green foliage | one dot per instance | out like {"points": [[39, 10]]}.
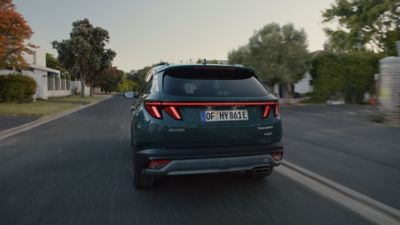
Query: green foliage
{"points": [[212, 61], [84, 54], [369, 22], [16, 88], [110, 79], [277, 53], [138, 76], [52, 62], [239, 56], [127, 85], [347, 75]]}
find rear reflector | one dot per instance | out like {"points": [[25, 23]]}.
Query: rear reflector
{"points": [[158, 164], [277, 156]]}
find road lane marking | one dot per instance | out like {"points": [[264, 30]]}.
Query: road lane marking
{"points": [[363, 205]]}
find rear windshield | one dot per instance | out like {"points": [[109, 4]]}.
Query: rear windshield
{"points": [[213, 84]]}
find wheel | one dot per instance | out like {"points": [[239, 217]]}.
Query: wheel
{"points": [[141, 181], [259, 173]]}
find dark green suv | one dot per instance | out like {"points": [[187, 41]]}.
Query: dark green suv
{"points": [[194, 119]]}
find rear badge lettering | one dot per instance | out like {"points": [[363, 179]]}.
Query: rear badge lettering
{"points": [[265, 128], [174, 130], [268, 134]]}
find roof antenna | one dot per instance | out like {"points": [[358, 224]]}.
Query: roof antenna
{"points": [[204, 61]]}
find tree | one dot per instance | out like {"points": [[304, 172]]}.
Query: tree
{"points": [[139, 75], [277, 53], [84, 54], [53, 62], [14, 31], [110, 79], [208, 61], [367, 23], [347, 75], [239, 56], [127, 85]]}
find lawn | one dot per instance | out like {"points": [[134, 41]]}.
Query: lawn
{"points": [[45, 107]]}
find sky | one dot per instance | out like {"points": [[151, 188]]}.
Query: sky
{"points": [[144, 32]]}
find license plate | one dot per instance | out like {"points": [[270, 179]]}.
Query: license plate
{"points": [[228, 115]]}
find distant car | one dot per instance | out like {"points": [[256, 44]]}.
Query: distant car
{"points": [[195, 119]]}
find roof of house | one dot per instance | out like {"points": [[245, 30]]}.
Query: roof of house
{"points": [[34, 66]]}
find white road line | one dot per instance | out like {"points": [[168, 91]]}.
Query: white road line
{"points": [[43, 120], [363, 205]]}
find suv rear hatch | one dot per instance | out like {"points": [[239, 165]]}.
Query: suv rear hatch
{"points": [[208, 106]]}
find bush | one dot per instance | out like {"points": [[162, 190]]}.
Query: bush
{"points": [[349, 74], [17, 88]]}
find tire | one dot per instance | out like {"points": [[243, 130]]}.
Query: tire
{"points": [[141, 181], [259, 175]]}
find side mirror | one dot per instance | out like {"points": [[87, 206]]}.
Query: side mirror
{"points": [[130, 94]]}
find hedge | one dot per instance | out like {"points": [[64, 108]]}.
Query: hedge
{"points": [[347, 75], [17, 88]]}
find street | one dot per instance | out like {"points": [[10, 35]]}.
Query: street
{"points": [[78, 170], [336, 143]]}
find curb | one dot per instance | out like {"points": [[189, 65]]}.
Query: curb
{"points": [[43, 120], [367, 202]]}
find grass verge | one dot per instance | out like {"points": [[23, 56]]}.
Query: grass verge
{"points": [[45, 107]]}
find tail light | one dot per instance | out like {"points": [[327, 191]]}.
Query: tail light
{"points": [[269, 107], [266, 112], [173, 111], [154, 108], [276, 110]]}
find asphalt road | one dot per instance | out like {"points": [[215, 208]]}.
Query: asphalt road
{"points": [[77, 170], [337, 143], [7, 122]]}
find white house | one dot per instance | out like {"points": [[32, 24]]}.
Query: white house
{"points": [[49, 81], [305, 85]]}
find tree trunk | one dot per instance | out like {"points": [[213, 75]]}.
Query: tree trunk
{"points": [[287, 92], [91, 89], [82, 88]]}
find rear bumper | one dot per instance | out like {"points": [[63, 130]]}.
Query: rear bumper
{"points": [[209, 160]]}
